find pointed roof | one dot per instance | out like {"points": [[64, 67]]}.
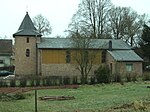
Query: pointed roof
{"points": [[27, 28]]}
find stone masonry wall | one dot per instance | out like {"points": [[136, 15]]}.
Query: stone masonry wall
{"points": [[62, 70], [25, 65]]}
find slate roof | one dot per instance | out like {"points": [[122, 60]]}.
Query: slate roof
{"points": [[125, 55], [27, 28], [64, 43], [5, 47]]}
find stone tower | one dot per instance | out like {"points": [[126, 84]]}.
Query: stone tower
{"points": [[26, 39]]}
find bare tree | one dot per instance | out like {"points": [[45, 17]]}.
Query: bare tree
{"points": [[92, 17], [84, 58], [42, 25], [125, 24]]}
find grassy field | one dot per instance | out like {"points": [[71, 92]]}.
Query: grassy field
{"points": [[88, 98]]}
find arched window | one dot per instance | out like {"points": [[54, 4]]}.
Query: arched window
{"points": [[68, 57], [27, 52], [103, 58]]}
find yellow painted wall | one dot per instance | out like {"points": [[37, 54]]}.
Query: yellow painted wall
{"points": [[59, 56]]}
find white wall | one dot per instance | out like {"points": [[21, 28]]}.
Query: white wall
{"points": [[7, 61]]}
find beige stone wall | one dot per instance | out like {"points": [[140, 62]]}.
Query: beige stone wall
{"points": [[120, 67], [25, 65], [110, 60], [137, 68], [62, 70]]}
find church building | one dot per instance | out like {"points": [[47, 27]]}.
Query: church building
{"points": [[37, 55]]}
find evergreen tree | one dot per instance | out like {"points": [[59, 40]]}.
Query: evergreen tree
{"points": [[145, 43]]}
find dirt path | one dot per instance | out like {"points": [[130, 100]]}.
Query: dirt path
{"points": [[26, 89]]}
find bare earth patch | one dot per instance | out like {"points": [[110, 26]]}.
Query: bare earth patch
{"points": [[8, 90]]}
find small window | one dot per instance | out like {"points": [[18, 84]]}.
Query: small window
{"points": [[27, 53], [103, 58], [68, 57], [86, 56], [27, 39], [1, 61], [129, 67]]}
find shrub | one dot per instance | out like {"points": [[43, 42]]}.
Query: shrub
{"points": [[3, 83], [66, 80], [92, 80], [117, 77], [54, 80], [60, 80], [75, 80], [128, 77], [48, 81], [44, 81], [37, 81], [23, 82], [19, 96], [32, 82], [134, 77], [5, 97], [103, 74], [10, 97], [146, 76], [12, 83]]}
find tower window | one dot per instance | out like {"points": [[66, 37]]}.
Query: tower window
{"points": [[103, 57], [27, 39], [27, 52], [68, 57]]}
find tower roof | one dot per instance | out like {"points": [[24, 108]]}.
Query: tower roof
{"points": [[27, 28]]}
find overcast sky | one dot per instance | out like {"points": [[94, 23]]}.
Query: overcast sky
{"points": [[58, 12]]}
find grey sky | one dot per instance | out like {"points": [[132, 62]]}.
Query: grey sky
{"points": [[58, 12]]}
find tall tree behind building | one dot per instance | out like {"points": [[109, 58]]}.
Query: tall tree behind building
{"points": [[125, 24], [42, 25], [91, 17], [145, 41]]}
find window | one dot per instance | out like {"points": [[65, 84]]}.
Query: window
{"points": [[129, 67], [27, 53], [103, 58], [86, 56], [1, 61], [68, 57], [27, 39]]}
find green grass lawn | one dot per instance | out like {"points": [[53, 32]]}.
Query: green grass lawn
{"points": [[88, 98]]}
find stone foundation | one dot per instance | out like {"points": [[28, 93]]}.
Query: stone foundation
{"points": [[62, 70]]}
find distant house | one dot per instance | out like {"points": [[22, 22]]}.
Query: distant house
{"points": [[49, 56], [5, 52]]}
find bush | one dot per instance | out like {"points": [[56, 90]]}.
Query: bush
{"points": [[134, 77], [102, 74], [117, 77], [19, 96], [32, 82], [146, 76], [44, 81], [75, 80], [23, 82], [60, 80], [37, 81], [48, 81], [92, 80], [12, 83], [10, 97], [3, 83], [66, 80], [128, 77]]}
